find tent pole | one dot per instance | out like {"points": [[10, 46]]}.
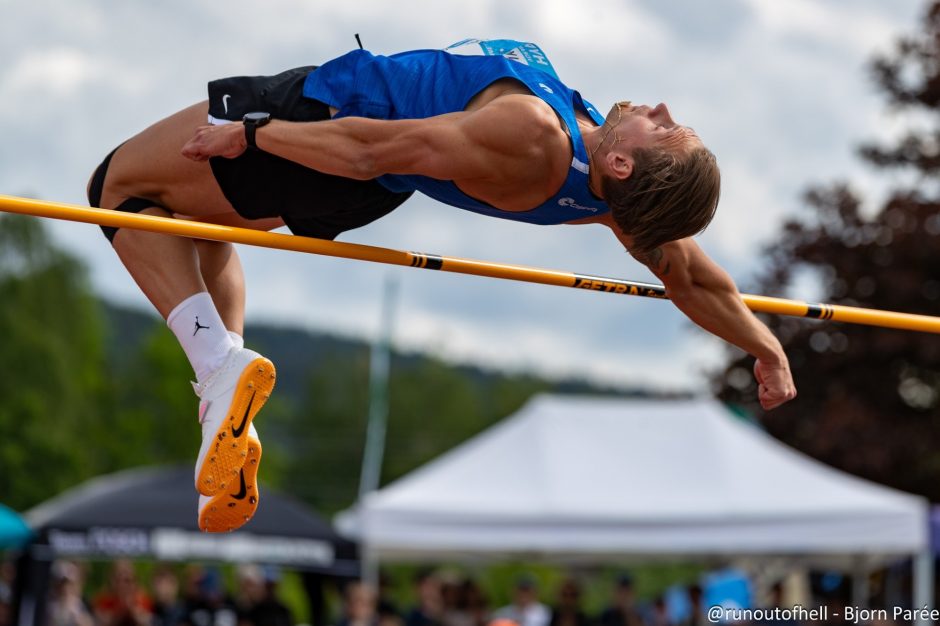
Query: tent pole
{"points": [[861, 591], [369, 564], [923, 583], [370, 476]]}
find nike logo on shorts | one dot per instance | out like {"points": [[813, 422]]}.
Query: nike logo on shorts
{"points": [[225, 102]]}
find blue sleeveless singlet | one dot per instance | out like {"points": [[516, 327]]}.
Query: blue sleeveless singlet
{"points": [[425, 83]]}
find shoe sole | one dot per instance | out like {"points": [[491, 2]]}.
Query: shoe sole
{"points": [[223, 463], [227, 511]]}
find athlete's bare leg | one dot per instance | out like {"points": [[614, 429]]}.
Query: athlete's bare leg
{"points": [[232, 382], [149, 165], [222, 271], [222, 274]]}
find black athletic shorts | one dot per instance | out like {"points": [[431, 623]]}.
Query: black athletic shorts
{"points": [[259, 184]]}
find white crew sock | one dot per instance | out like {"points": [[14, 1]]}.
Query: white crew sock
{"points": [[200, 331]]}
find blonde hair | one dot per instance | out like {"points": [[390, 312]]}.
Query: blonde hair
{"points": [[670, 195]]}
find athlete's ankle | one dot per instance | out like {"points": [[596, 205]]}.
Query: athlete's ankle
{"points": [[201, 333]]}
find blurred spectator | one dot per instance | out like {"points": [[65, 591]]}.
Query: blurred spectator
{"points": [[360, 606], [429, 610], [463, 603], [123, 602], [622, 610], [204, 602], [66, 605], [390, 619], [452, 593], [567, 610], [525, 610], [777, 601], [6, 599], [659, 614], [385, 606], [257, 601], [697, 615], [7, 574], [249, 580], [167, 606], [472, 604]]}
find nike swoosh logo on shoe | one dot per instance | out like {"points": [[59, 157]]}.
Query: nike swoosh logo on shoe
{"points": [[237, 432], [243, 491]]}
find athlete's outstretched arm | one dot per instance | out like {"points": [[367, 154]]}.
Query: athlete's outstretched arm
{"points": [[480, 144], [708, 296]]}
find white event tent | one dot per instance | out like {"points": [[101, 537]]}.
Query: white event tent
{"points": [[579, 478]]}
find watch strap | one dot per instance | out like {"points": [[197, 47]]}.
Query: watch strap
{"points": [[251, 128], [252, 122]]}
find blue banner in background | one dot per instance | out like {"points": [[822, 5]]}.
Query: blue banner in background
{"points": [[728, 588]]}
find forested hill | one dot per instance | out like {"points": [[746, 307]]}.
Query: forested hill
{"points": [[314, 427], [297, 351]]}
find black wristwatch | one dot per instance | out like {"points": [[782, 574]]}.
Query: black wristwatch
{"points": [[252, 122]]}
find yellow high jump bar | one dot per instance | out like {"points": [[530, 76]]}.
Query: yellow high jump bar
{"points": [[214, 232]]}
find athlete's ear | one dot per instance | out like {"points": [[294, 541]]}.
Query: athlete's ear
{"points": [[620, 164]]}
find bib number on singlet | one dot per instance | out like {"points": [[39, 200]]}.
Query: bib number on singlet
{"points": [[518, 51]]}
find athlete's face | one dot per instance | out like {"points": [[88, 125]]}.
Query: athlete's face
{"points": [[632, 127]]}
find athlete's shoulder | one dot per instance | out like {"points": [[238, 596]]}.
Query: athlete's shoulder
{"points": [[517, 124], [526, 109]]}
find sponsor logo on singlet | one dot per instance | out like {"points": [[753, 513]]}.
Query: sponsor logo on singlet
{"points": [[572, 203], [523, 52]]}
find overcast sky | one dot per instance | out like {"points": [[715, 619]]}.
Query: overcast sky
{"points": [[778, 90]]}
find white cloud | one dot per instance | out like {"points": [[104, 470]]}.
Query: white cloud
{"points": [[59, 71], [749, 212], [852, 27]]}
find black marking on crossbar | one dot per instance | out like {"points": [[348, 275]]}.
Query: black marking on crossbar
{"points": [[616, 285], [820, 311]]}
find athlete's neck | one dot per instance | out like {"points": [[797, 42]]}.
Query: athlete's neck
{"points": [[591, 137]]}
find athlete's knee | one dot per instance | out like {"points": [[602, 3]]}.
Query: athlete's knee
{"points": [[134, 205], [95, 187], [129, 204], [88, 187]]}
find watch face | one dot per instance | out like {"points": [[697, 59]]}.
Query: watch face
{"points": [[256, 117]]}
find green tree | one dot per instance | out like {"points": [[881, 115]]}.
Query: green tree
{"points": [[869, 399], [154, 416], [324, 435], [55, 382], [433, 406]]}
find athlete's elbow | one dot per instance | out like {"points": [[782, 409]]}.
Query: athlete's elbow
{"points": [[362, 166], [691, 292], [679, 293], [682, 287]]}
